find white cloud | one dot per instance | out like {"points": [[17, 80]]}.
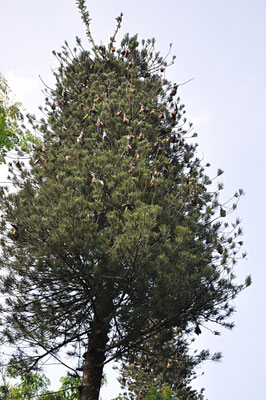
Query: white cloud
{"points": [[25, 89], [21, 86], [201, 119]]}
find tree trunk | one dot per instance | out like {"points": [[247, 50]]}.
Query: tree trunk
{"points": [[92, 376], [95, 355]]}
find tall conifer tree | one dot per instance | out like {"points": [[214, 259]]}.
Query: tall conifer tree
{"points": [[112, 236]]}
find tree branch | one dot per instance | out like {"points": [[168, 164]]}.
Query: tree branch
{"points": [[86, 19], [119, 20], [58, 391]]}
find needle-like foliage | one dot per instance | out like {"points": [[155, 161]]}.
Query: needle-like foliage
{"points": [[112, 236]]}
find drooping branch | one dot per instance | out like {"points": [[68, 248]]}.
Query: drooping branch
{"points": [[86, 19]]}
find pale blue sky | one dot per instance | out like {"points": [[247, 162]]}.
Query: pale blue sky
{"points": [[222, 45]]}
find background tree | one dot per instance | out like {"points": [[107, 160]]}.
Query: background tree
{"points": [[112, 236], [36, 386], [12, 136], [30, 386], [164, 394], [163, 362]]}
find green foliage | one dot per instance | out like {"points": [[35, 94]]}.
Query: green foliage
{"points": [[30, 386], [164, 394], [33, 386], [163, 362], [68, 389], [114, 234], [11, 134]]}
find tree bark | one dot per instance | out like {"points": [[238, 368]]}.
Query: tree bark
{"points": [[95, 355], [92, 376]]}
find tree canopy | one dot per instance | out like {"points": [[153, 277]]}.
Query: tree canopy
{"points": [[35, 386], [114, 236], [13, 134]]}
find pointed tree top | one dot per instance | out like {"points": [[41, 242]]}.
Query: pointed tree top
{"points": [[86, 19], [85, 16]]}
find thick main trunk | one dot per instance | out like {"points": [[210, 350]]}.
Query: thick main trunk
{"points": [[92, 376], [95, 355]]}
